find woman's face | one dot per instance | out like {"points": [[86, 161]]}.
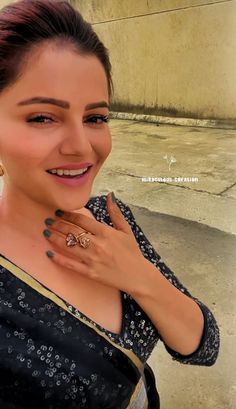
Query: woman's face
{"points": [[36, 137]]}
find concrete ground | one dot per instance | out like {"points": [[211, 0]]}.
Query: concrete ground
{"points": [[192, 225]]}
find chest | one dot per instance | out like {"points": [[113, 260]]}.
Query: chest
{"points": [[100, 303]]}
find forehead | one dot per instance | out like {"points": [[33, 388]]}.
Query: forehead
{"points": [[61, 71]]}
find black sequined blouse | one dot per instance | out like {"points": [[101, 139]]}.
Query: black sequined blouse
{"points": [[41, 362]]}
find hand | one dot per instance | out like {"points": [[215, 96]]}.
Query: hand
{"points": [[113, 256]]}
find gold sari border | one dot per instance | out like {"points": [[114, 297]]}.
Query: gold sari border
{"points": [[36, 285], [139, 398]]}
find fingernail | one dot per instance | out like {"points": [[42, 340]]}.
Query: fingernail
{"points": [[59, 213], [113, 198], [50, 254], [49, 221], [47, 233]]}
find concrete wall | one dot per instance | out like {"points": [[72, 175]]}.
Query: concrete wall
{"points": [[169, 57]]}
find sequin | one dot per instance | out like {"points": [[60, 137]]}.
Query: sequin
{"points": [[55, 377]]}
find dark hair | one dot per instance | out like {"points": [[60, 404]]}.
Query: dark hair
{"points": [[26, 24]]}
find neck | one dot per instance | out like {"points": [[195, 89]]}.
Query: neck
{"points": [[23, 216]]}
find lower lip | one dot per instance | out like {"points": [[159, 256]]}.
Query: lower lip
{"points": [[77, 181]]}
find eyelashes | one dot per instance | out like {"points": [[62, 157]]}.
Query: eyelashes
{"points": [[103, 118], [94, 119], [39, 119]]}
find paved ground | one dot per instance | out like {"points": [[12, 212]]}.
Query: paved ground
{"points": [[192, 225]]}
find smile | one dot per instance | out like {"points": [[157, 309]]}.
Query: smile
{"points": [[71, 177], [68, 173]]}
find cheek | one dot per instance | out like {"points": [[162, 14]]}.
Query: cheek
{"points": [[22, 150], [102, 145], [21, 154]]}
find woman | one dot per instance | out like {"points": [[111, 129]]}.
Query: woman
{"points": [[84, 297]]}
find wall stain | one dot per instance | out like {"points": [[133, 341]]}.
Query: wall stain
{"points": [[168, 112]]}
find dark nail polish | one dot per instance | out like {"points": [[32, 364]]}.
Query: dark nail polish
{"points": [[59, 213], [49, 221], [50, 254], [47, 233], [113, 198]]}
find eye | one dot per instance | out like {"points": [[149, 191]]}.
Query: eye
{"points": [[43, 119], [97, 119]]}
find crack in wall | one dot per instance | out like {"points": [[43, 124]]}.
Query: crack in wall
{"points": [[162, 12]]}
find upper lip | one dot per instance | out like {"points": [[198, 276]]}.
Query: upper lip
{"points": [[71, 166]]}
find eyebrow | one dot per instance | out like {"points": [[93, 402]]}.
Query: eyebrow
{"points": [[60, 103]]}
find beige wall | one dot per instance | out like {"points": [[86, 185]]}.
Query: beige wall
{"points": [[171, 57]]}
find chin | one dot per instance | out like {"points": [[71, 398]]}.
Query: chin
{"points": [[71, 204]]}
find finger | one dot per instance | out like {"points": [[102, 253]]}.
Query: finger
{"points": [[116, 215], [68, 262], [63, 227], [85, 222]]}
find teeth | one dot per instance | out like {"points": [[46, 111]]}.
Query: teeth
{"points": [[77, 171], [68, 172]]}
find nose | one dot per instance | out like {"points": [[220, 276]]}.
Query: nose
{"points": [[76, 141]]}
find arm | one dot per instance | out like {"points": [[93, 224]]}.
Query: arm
{"points": [[187, 327], [177, 317]]}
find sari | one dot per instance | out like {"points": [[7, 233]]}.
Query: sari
{"points": [[52, 358]]}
